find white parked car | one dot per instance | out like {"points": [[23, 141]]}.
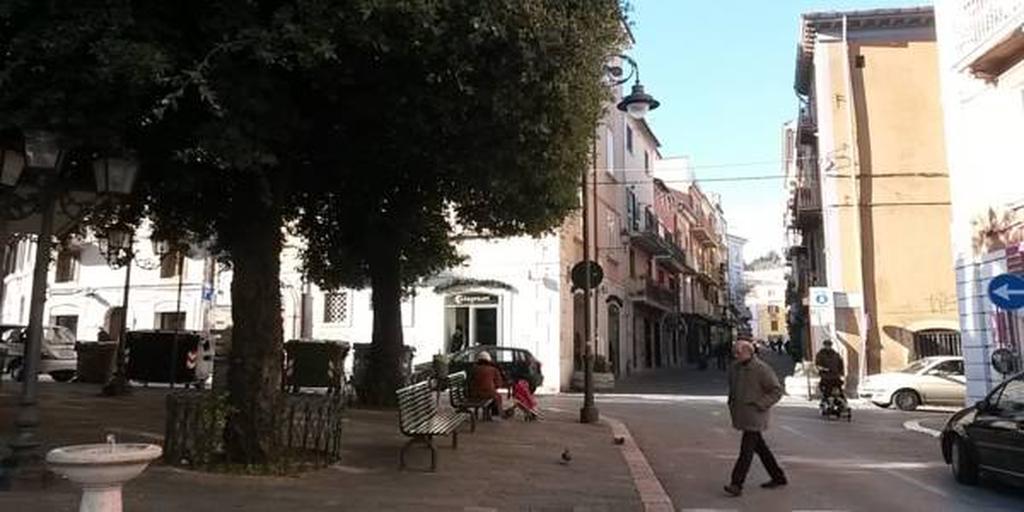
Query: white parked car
{"points": [[935, 380], [57, 355]]}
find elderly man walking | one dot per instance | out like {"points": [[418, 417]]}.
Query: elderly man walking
{"points": [[753, 389]]}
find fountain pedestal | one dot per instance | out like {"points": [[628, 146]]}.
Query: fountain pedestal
{"points": [[101, 470]]}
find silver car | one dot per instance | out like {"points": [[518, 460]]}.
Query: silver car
{"points": [[935, 380], [58, 357]]}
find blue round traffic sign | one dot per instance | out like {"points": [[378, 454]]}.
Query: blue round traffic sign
{"points": [[1006, 291]]}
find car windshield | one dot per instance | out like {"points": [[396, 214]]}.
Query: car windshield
{"points": [[916, 366], [58, 336]]}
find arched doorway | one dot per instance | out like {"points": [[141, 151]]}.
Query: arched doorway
{"points": [[113, 322], [613, 338]]}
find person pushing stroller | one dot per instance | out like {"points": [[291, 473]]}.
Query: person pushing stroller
{"points": [[831, 369]]}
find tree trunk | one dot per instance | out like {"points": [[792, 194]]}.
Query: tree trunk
{"points": [[254, 377], [384, 372]]}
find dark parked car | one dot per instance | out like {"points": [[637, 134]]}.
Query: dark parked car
{"points": [[510, 360], [988, 436]]}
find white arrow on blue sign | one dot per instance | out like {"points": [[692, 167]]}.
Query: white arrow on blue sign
{"points": [[1006, 291]]}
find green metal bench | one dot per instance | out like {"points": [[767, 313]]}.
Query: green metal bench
{"points": [[419, 419], [458, 394]]}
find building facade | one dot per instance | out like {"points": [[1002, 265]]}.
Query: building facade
{"points": [[869, 197], [981, 62], [85, 294], [766, 300]]}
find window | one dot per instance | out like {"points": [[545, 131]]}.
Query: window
{"points": [[336, 307], [949, 368], [936, 342], [69, 321], [1012, 397], [169, 264], [632, 210], [609, 151], [647, 162], [175, 320], [775, 325], [67, 265], [629, 139]]}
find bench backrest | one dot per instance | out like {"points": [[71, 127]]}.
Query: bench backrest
{"points": [[416, 404], [457, 389]]}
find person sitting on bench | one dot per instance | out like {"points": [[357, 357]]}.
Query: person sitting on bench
{"points": [[485, 380]]}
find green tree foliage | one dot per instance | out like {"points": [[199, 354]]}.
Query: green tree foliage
{"points": [[371, 127], [476, 115]]}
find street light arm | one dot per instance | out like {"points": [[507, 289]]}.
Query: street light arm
{"points": [[615, 73]]}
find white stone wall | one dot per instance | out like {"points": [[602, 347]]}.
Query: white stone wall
{"points": [[984, 130]]}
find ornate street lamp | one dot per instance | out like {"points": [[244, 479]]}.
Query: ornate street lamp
{"points": [[637, 105], [12, 163], [43, 156], [117, 245], [115, 174]]}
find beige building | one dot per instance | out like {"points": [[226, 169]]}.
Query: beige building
{"points": [[869, 207], [766, 299]]}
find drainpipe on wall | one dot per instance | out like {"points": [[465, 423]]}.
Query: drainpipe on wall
{"points": [[858, 207]]}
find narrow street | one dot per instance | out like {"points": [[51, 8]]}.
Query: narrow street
{"points": [[679, 419]]}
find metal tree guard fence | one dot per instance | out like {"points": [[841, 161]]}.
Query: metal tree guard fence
{"points": [[308, 426]]}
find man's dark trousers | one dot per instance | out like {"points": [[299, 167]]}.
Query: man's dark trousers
{"points": [[752, 443]]}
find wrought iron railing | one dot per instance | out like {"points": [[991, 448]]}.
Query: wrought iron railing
{"points": [[979, 20], [308, 427]]}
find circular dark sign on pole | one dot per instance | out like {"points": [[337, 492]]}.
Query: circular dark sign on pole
{"points": [[579, 274], [1004, 361]]}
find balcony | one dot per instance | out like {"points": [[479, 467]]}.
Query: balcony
{"points": [[651, 238], [647, 291], [990, 36], [703, 233]]}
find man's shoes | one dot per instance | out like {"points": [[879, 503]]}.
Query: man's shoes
{"points": [[733, 490], [771, 484]]}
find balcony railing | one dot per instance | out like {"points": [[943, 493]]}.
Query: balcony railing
{"points": [[645, 289], [660, 243], [988, 33]]}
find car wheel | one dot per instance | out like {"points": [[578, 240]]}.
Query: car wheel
{"points": [[965, 469], [63, 376], [883, 406], [906, 399]]}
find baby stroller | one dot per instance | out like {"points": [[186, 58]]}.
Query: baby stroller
{"points": [[833, 399]]}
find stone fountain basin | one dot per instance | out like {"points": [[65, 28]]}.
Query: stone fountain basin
{"points": [[102, 464]]}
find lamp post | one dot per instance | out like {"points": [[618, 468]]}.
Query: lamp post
{"points": [[46, 160], [637, 104], [164, 248], [117, 246]]}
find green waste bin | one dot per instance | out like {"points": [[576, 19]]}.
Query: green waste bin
{"points": [[314, 364], [96, 361]]}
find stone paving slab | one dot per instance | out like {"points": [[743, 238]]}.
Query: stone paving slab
{"points": [[505, 465]]}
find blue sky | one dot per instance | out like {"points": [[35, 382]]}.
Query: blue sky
{"points": [[723, 71]]}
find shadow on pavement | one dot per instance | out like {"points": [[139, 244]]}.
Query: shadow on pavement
{"points": [[691, 381]]}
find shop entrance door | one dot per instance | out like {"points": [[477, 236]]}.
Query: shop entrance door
{"points": [[477, 314]]}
